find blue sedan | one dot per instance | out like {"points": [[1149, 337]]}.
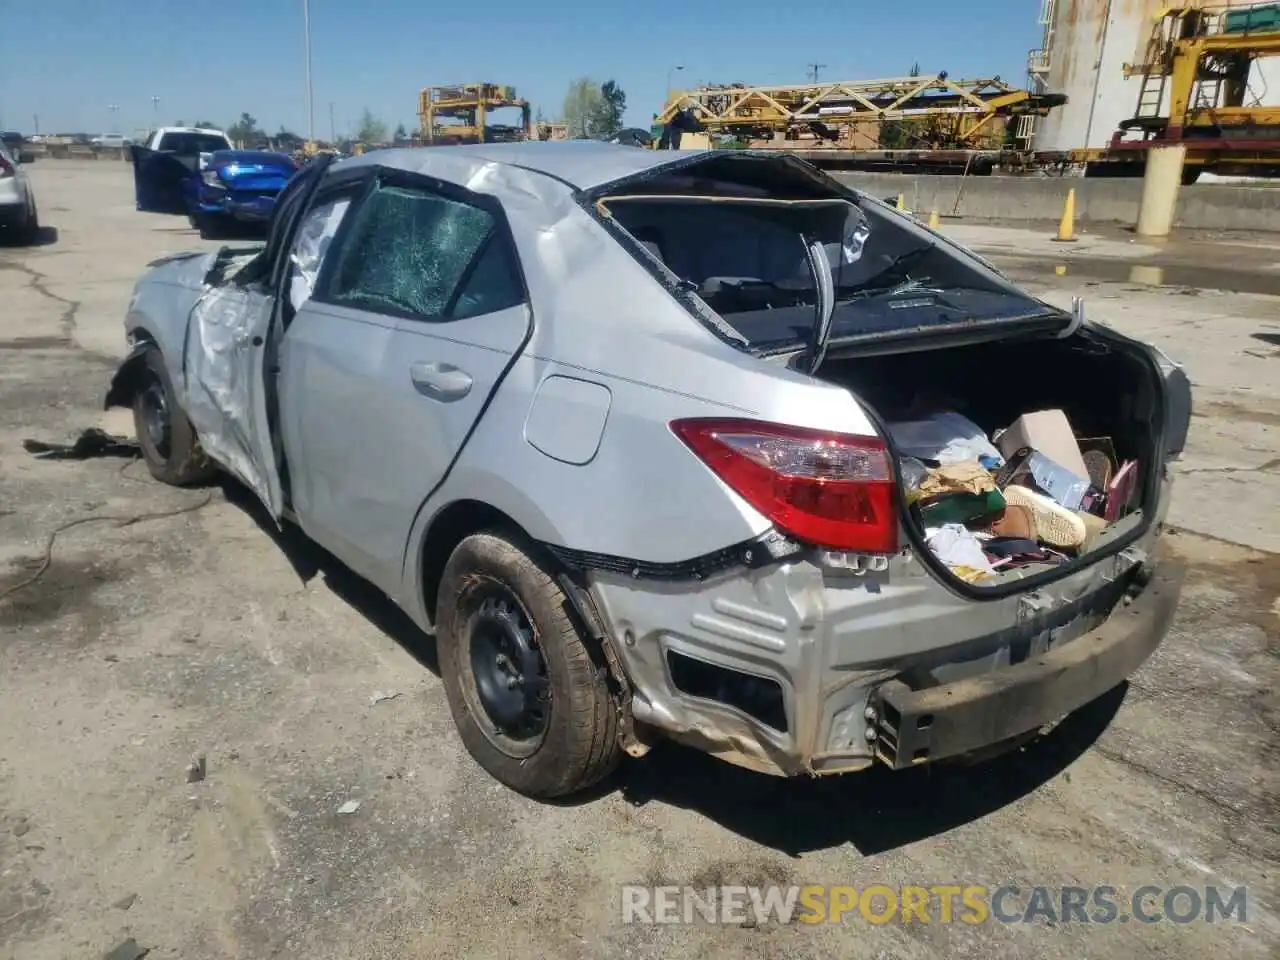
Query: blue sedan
{"points": [[229, 187]]}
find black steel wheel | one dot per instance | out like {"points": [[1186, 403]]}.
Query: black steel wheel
{"points": [[165, 435], [510, 676], [529, 693], [154, 415]]}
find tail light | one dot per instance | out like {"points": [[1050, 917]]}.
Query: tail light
{"points": [[6, 168], [829, 489]]}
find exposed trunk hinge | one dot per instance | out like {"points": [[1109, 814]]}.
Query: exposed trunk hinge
{"points": [[1077, 319]]}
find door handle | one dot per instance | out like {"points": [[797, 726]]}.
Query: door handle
{"points": [[440, 381]]}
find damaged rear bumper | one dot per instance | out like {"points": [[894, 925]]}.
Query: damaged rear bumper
{"points": [[797, 670], [918, 726]]}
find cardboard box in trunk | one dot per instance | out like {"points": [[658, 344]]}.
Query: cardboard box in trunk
{"points": [[1049, 432]]}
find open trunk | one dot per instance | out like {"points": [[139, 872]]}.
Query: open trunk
{"points": [[785, 264], [1107, 388]]}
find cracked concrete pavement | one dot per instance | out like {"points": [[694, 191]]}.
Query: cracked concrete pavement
{"points": [[203, 633]]}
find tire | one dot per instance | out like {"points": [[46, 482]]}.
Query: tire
{"points": [[211, 228], [492, 587], [30, 232], [165, 435]]}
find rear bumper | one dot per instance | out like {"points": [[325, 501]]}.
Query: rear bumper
{"points": [[920, 726], [798, 667]]}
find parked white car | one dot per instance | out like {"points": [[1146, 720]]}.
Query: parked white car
{"points": [[18, 216], [111, 140]]}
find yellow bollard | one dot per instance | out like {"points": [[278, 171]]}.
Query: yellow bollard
{"points": [[933, 219], [902, 205], [1066, 226]]}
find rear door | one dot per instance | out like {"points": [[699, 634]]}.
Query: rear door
{"points": [[160, 181], [417, 315]]}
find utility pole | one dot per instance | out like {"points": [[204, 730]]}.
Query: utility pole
{"points": [[333, 130], [35, 120], [114, 109], [813, 71], [670, 73], [311, 113], [155, 106]]}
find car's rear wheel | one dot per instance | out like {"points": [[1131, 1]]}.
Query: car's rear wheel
{"points": [[529, 694], [168, 441]]}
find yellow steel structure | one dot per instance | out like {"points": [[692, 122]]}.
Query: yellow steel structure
{"points": [[1201, 57], [458, 113], [959, 113]]}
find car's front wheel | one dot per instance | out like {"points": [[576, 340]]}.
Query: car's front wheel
{"points": [[529, 694], [31, 226], [165, 435], [210, 227]]}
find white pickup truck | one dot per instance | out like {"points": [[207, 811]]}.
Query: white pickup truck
{"points": [[198, 142]]}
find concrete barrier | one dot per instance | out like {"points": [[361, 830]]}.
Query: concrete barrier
{"points": [[1201, 206], [74, 151]]}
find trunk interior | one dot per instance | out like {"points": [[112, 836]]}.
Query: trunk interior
{"points": [[1106, 390]]}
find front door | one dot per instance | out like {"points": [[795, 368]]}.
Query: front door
{"points": [[224, 384], [230, 359], [416, 316], [161, 182]]}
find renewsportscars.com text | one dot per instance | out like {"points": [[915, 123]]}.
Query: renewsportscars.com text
{"points": [[937, 904]]}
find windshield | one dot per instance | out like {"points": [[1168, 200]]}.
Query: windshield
{"points": [[749, 264], [192, 144]]}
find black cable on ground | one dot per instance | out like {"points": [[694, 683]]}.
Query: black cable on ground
{"points": [[46, 559]]}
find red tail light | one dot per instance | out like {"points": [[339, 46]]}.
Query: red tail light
{"points": [[829, 489]]}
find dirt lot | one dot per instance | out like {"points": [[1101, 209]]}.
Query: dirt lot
{"points": [[200, 633]]}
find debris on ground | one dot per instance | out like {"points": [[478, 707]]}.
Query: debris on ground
{"points": [[125, 902], [379, 696], [90, 444], [350, 807], [127, 950], [196, 770]]}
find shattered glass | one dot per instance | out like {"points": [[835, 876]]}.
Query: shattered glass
{"points": [[408, 251], [314, 236]]}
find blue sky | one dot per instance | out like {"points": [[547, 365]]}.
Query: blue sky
{"points": [[68, 60]]}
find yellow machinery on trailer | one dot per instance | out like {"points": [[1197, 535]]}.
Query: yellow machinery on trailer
{"points": [[937, 120], [1195, 92], [460, 113]]}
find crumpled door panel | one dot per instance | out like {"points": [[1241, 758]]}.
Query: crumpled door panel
{"points": [[223, 373]]}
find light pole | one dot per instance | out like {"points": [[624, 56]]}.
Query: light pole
{"points": [[671, 71], [333, 130], [155, 106], [311, 113], [114, 109]]}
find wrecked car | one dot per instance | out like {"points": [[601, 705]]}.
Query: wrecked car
{"points": [[692, 445], [198, 174]]}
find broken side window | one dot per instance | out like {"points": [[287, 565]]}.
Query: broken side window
{"points": [[309, 249]]}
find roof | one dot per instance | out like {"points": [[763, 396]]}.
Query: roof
{"points": [[582, 163], [219, 133]]}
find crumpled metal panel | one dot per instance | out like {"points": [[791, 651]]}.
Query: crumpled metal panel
{"points": [[219, 380]]}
